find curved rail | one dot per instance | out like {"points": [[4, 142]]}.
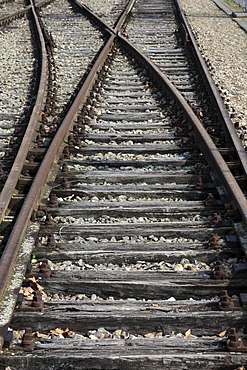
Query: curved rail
{"points": [[51, 157], [14, 242], [215, 93], [210, 150], [20, 13], [8, 18], [208, 79], [206, 144], [9, 254], [15, 171]]}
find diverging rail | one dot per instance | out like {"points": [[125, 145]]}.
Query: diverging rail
{"points": [[210, 151], [9, 256]]}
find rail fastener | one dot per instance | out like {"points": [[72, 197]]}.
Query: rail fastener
{"points": [[234, 343]]}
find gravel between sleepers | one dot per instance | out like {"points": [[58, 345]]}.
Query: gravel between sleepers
{"points": [[223, 42]]}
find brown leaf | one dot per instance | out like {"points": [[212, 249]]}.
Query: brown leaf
{"points": [[117, 332], [68, 333], [27, 292], [222, 334], [34, 284], [187, 333], [57, 331], [159, 334], [40, 335], [17, 334], [149, 335]]}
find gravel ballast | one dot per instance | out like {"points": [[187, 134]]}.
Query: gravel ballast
{"points": [[223, 43]]}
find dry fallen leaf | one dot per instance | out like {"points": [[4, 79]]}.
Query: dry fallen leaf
{"points": [[187, 333], [27, 292], [155, 305], [222, 334], [34, 284], [57, 331], [118, 332], [149, 335], [40, 335], [68, 332], [159, 334], [17, 334]]}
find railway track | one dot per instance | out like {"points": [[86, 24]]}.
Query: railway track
{"points": [[18, 68], [9, 6], [135, 251], [171, 51]]}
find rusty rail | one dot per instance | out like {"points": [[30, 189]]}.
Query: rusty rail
{"points": [[206, 144], [14, 242], [8, 18], [215, 93], [20, 13], [9, 254], [208, 78], [51, 157], [17, 166]]}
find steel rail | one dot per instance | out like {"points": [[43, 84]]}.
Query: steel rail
{"points": [[215, 92], [23, 11], [217, 161], [14, 15], [208, 79], [9, 254], [52, 155], [13, 244], [123, 17], [17, 166], [207, 146]]}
